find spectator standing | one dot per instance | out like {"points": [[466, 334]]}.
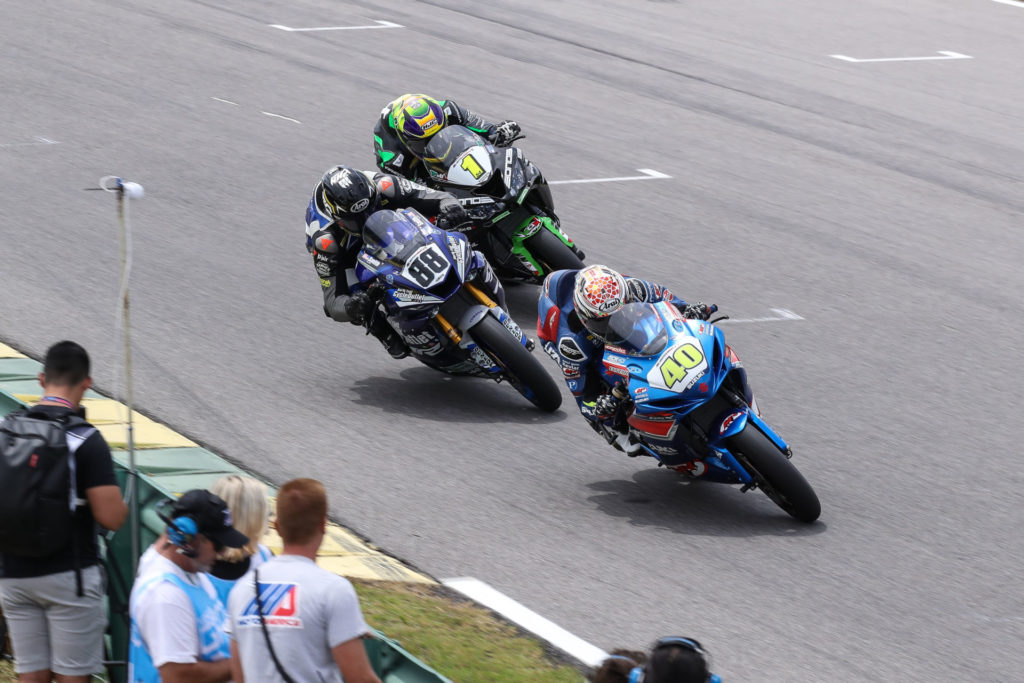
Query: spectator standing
{"points": [[246, 499], [177, 622], [303, 623], [54, 603]]}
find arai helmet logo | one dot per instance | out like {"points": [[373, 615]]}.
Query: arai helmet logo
{"points": [[359, 206]]}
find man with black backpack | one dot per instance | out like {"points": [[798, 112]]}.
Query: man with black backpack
{"points": [[57, 480]]}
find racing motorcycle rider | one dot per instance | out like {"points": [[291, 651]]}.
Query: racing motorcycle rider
{"points": [[407, 124], [572, 333], [342, 201]]}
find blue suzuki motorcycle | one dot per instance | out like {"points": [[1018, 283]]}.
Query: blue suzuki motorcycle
{"points": [[439, 295], [692, 407]]}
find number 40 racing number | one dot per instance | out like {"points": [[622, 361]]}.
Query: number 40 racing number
{"points": [[679, 368], [427, 268]]}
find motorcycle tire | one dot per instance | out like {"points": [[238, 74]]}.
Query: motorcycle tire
{"points": [[776, 475], [552, 253], [523, 370]]}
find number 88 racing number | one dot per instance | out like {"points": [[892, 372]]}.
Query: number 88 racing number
{"points": [[428, 268]]}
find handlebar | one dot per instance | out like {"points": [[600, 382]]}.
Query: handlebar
{"points": [[508, 143]]}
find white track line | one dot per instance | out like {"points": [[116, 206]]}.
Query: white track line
{"points": [[39, 140], [781, 314], [534, 623], [947, 55], [648, 174], [224, 101], [1014, 3], [279, 116], [379, 24]]}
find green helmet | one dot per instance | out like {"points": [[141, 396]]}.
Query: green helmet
{"points": [[416, 118]]}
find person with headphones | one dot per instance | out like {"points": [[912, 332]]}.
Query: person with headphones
{"points": [[177, 621], [671, 660]]}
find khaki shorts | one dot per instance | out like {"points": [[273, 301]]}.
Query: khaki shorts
{"points": [[51, 627]]}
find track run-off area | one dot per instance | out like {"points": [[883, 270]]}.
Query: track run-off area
{"points": [[860, 219]]}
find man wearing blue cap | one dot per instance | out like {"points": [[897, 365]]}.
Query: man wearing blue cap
{"points": [[177, 622]]}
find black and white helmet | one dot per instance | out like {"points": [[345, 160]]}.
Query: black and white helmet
{"points": [[349, 196]]}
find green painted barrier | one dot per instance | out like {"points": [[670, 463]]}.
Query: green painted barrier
{"points": [[8, 403], [162, 473], [392, 664], [20, 369]]}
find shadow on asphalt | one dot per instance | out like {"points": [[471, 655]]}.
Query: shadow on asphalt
{"points": [[521, 300], [661, 498], [422, 392]]}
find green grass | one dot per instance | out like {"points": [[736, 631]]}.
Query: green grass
{"points": [[457, 638], [465, 642]]}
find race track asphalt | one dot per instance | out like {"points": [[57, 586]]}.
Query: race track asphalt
{"points": [[880, 201]]}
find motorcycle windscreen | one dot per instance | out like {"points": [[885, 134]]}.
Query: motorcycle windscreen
{"points": [[458, 156], [637, 329], [392, 237]]}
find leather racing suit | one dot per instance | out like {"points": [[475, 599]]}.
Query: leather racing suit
{"points": [[578, 352], [334, 250]]}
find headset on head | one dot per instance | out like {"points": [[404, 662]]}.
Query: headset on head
{"points": [[637, 674], [181, 531]]}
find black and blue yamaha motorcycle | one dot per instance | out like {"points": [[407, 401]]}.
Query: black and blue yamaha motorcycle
{"points": [[444, 300]]}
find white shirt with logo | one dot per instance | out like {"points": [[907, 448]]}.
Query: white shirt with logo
{"points": [[165, 614], [308, 612]]}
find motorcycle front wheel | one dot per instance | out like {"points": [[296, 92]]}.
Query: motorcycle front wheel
{"points": [[552, 253], [523, 370], [775, 474]]}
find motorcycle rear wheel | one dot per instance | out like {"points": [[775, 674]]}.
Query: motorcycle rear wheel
{"points": [[523, 370], [552, 252], [776, 475]]}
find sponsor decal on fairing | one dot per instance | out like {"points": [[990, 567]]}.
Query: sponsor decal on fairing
{"points": [[727, 422]]}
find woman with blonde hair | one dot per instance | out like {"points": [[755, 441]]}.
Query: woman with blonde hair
{"points": [[247, 502]]}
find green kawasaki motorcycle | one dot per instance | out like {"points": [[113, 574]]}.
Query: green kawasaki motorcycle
{"points": [[514, 223]]}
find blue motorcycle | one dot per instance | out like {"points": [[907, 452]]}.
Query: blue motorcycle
{"points": [[692, 408], [439, 295]]}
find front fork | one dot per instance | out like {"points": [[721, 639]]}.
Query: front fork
{"points": [[733, 423], [470, 317]]}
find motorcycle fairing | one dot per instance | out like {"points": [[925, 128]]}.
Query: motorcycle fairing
{"points": [[673, 367]]}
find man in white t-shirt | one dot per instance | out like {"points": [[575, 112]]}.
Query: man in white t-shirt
{"points": [[177, 622], [305, 623]]}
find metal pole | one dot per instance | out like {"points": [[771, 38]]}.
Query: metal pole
{"points": [[133, 474]]}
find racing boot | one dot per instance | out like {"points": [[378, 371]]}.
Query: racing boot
{"points": [[628, 445], [392, 341]]}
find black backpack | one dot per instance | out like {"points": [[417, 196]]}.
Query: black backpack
{"points": [[37, 483]]}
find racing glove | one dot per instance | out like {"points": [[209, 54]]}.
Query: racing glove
{"points": [[358, 308], [505, 133], [452, 216], [608, 404], [605, 406], [699, 310]]}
